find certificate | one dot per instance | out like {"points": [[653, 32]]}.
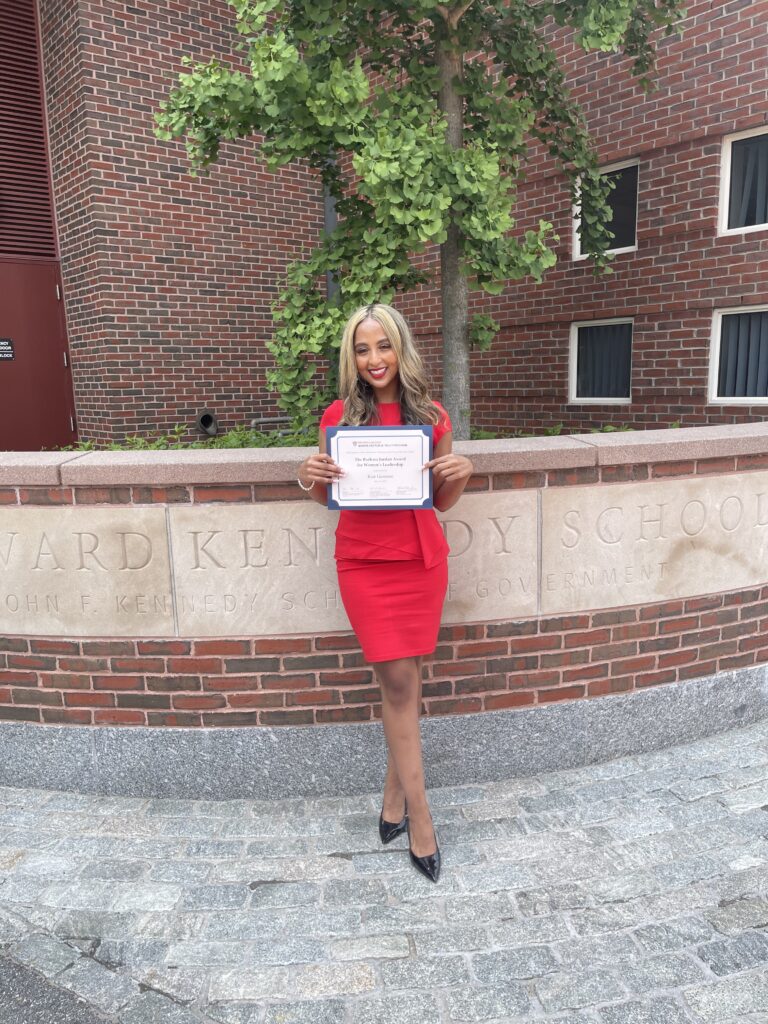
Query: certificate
{"points": [[383, 467]]}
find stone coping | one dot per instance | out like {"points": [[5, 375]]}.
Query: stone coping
{"points": [[275, 465]]}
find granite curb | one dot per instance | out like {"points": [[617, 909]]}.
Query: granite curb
{"points": [[270, 763]]}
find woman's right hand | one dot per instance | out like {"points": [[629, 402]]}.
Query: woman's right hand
{"points": [[319, 469]]}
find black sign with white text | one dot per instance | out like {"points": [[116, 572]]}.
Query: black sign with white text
{"points": [[6, 348]]}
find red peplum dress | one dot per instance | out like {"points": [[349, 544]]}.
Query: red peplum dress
{"points": [[392, 566]]}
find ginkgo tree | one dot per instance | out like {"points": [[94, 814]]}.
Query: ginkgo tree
{"points": [[418, 118]]}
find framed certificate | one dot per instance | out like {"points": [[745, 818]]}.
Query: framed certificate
{"points": [[383, 467]]}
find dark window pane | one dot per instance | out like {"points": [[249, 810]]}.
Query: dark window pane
{"points": [[604, 361], [749, 182], [623, 202], [743, 369]]}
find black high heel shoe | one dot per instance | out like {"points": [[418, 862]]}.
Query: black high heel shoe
{"points": [[429, 866], [389, 830]]}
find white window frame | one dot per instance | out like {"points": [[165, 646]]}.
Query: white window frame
{"points": [[714, 358], [573, 351], [725, 183], [576, 253]]}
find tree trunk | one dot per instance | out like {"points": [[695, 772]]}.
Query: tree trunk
{"points": [[453, 284]]}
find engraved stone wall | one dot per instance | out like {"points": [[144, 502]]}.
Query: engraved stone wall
{"points": [[171, 590]]}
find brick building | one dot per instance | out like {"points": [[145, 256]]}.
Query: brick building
{"points": [[166, 280]]}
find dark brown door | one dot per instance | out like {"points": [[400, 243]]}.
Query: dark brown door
{"points": [[36, 409], [35, 386]]}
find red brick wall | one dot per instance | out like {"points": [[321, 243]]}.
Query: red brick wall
{"points": [[712, 82], [321, 678], [168, 279]]}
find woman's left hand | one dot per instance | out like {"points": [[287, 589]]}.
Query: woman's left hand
{"points": [[450, 467]]}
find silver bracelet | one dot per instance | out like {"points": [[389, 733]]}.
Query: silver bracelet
{"points": [[301, 485]]}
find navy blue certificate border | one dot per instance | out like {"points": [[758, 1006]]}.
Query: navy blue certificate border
{"points": [[426, 502]]}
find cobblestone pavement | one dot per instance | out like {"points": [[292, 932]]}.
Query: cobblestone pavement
{"points": [[631, 892]]}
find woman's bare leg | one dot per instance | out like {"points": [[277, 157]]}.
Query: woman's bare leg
{"points": [[400, 694], [393, 803]]}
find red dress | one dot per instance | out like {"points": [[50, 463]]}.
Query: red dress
{"points": [[392, 566]]}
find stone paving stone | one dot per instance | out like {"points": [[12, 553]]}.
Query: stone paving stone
{"points": [[738, 953], [309, 1012], [12, 927], [380, 863], [655, 1011], [183, 984], [309, 921], [214, 897], [183, 872], [309, 981], [411, 1009], [98, 985], [568, 896], [242, 1013], [732, 997], [695, 789], [667, 971], [289, 894], [210, 954], [93, 924], [146, 896], [115, 870], [217, 849], [451, 940], [281, 870], [596, 951], [474, 1004], [136, 952], [411, 917], [524, 930], [370, 947], [411, 885], [479, 909], [501, 810], [45, 954], [425, 973], [661, 938], [354, 891], [495, 877], [733, 916], [153, 1008], [574, 991], [527, 962]]}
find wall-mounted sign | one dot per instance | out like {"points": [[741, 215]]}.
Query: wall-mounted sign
{"points": [[6, 348]]}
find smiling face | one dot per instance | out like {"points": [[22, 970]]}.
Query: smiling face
{"points": [[376, 360]]}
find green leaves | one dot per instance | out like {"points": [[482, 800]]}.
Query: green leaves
{"points": [[373, 131]]}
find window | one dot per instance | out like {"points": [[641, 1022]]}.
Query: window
{"points": [[744, 182], [623, 203], [600, 368], [738, 366]]}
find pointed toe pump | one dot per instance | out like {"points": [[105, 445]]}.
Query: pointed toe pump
{"points": [[428, 866], [389, 830]]}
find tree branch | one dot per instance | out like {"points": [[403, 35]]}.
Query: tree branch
{"points": [[453, 15]]}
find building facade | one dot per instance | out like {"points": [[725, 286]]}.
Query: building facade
{"points": [[166, 280]]}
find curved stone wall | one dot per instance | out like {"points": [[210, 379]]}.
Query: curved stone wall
{"points": [[197, 589]]}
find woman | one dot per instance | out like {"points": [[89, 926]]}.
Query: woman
{"points": [[392, 565]]}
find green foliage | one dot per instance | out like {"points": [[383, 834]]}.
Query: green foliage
{"points": [[329, 79], [482, 330], [609, 428], [239, 437]]}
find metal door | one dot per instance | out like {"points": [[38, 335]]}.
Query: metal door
{"points": [[35, 386], [36, 408]]}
